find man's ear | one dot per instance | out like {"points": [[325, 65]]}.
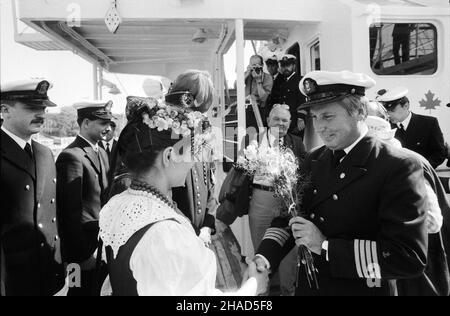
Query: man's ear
{"points": [[361, 114], [4, 108]]}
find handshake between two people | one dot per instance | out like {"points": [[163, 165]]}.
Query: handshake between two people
{"points": [[260, 273], [305, 234]]}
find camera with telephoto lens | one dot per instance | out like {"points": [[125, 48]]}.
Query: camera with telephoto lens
{"points": [[258, 69]]}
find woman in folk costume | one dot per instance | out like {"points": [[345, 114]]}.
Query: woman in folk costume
{"points": [[142, 147], [197, 199], [152, 247]]}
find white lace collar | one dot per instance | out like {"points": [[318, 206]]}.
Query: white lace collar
{"points": [[129, 212]]}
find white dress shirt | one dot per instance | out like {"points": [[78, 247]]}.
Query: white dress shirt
{"points": [[406, 122], [95, 147], [110, 143], [365, 131], [22, 143]]}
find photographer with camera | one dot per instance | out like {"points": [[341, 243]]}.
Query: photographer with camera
{"points": [[258, 85]]}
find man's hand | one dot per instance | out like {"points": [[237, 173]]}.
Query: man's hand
{"points": [[205, 235], [307, 234], [261, 265], [248, 72], [256, 76], [262, 278]]}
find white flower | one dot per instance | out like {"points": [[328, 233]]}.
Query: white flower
{"points": [[176, 127], [241, 160], [185, 131], [173, 114], [251, 153], [162, 124], [149, 121], [146, 118], [152, 104], [162, 113]]}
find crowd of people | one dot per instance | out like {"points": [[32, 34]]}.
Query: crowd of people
{"points": [[279, 86], [137, 215]]}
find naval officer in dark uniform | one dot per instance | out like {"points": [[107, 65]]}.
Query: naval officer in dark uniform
{"points": [[110, 143], [364, 212], [418, 133], [30, 247], [285, 89], [82, 190]]}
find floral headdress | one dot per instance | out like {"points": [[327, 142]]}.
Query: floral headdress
{"points": [[181, 121]]}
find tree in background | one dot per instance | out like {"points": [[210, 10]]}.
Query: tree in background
{"points": [[64, 123]]}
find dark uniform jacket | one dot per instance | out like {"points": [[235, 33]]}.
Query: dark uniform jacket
{"points": [[31, 258], [435, 281], [372, 211], [424, 136], [197, 200], [115, 162], [287, 92], [82, 192]]}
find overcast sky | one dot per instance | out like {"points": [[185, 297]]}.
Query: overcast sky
{"points": [[71, 75]]}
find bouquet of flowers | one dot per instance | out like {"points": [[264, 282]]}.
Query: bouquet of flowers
{"points": [[281, 167]]}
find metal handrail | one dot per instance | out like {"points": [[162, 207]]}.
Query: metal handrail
{"points": [[415, 40]]}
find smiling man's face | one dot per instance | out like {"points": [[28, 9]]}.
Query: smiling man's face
{"points": [[335, 126]]}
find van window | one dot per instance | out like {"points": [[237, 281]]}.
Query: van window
{"points": [[403, 49], [315, 56]]}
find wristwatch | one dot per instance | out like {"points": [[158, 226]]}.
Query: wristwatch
{"points": [[325, 248]]}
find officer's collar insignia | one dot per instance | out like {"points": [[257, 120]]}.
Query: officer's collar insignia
{"points": [[310, 86], [43, 87]]}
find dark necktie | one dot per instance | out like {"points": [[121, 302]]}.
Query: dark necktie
{"points": [[337, 157], [401, 133], [108, 150], [28, 150]]}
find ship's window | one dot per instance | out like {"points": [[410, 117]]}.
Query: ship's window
{"points": [[315, 56], [403, 49]]}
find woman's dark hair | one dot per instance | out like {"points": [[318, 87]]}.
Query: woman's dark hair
{"points": [[139, 146]]}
